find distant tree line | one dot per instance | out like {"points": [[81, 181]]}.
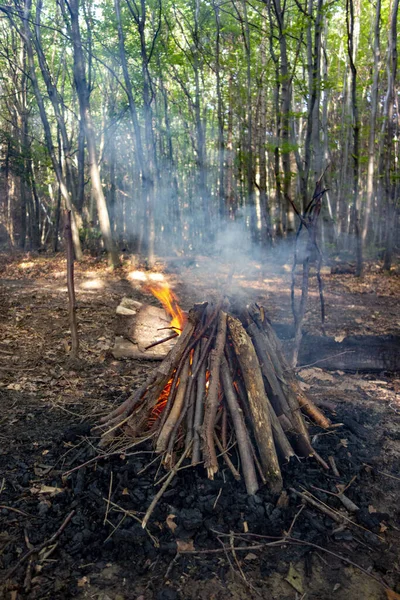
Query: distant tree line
{"points": [[156, 122]]}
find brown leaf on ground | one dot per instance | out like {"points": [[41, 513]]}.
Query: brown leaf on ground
{"points": [[171, 523], [184, 546]]}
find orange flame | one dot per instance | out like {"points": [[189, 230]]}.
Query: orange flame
{"points": [[170, 303]]}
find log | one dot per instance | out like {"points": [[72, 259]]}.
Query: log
{"points": [[258, 402]]}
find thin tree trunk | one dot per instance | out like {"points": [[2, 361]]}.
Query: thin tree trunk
{"points": [[220, 111], [83, 93], [392, 128], [372, 124], [351, 17]]}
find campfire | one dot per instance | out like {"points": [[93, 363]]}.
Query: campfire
{"points": [[224, 392]]}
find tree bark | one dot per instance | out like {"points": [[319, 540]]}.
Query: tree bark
{"points": [[83, 93], [372, 124]]}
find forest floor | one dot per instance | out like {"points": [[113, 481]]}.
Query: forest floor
{"points": [[48, 406]]}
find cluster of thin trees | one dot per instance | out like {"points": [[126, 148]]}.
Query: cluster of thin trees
{"points": [[156, 122]]}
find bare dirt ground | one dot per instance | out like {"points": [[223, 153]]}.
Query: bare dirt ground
{"points": [[48, 406]]}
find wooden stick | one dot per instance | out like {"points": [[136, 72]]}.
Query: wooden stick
{"points": [[284, 372], [210, 412], [248, 469], [37, 549], [173, 416], [226, 458], [192, 393], [330, 513], [199, 409], [276, 395], [171, 337], [258, 401], [332, 462], [166, 483], [129, 403], [281, 441], [224, 428], [71, 287], [189, 395]]}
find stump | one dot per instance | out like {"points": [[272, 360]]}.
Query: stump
{"points": [[225, 384]]}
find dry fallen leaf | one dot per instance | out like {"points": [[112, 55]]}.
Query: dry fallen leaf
{"points": [[371, 509], [171, 523], [339, 337], [283, 500], [46, 489], [383, 527], [391, 595], [83, 581], [125, 492], [250, 556], [245, 527], [295, 579], [184, 545]]}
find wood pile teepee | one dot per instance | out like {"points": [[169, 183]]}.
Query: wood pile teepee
{"points": [[225, 386]]}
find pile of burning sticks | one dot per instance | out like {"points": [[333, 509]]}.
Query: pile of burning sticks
{"points": [[225, 392]]}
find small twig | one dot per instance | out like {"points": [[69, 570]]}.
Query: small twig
{"points": [[324, 508], [382, 472], [171, 565], [347, 503], [232, 549], [71, 287], [17, 510], [171, 337], [332, 462], [217, 498], [317, 504], [133, 515], [299, 368], [164, 487], [295, 519], [294, 541], [109, 498], [106, 455], [37, 549], [226, 458]]}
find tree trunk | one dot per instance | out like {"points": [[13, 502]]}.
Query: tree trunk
{"points": [[352, 17], [372, 124], [392, 129], [83, 93]]}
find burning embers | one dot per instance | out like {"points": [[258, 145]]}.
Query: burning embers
{"points": [[225, 392]]}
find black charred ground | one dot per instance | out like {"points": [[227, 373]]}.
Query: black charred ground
{"points": [[200, 508]]}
